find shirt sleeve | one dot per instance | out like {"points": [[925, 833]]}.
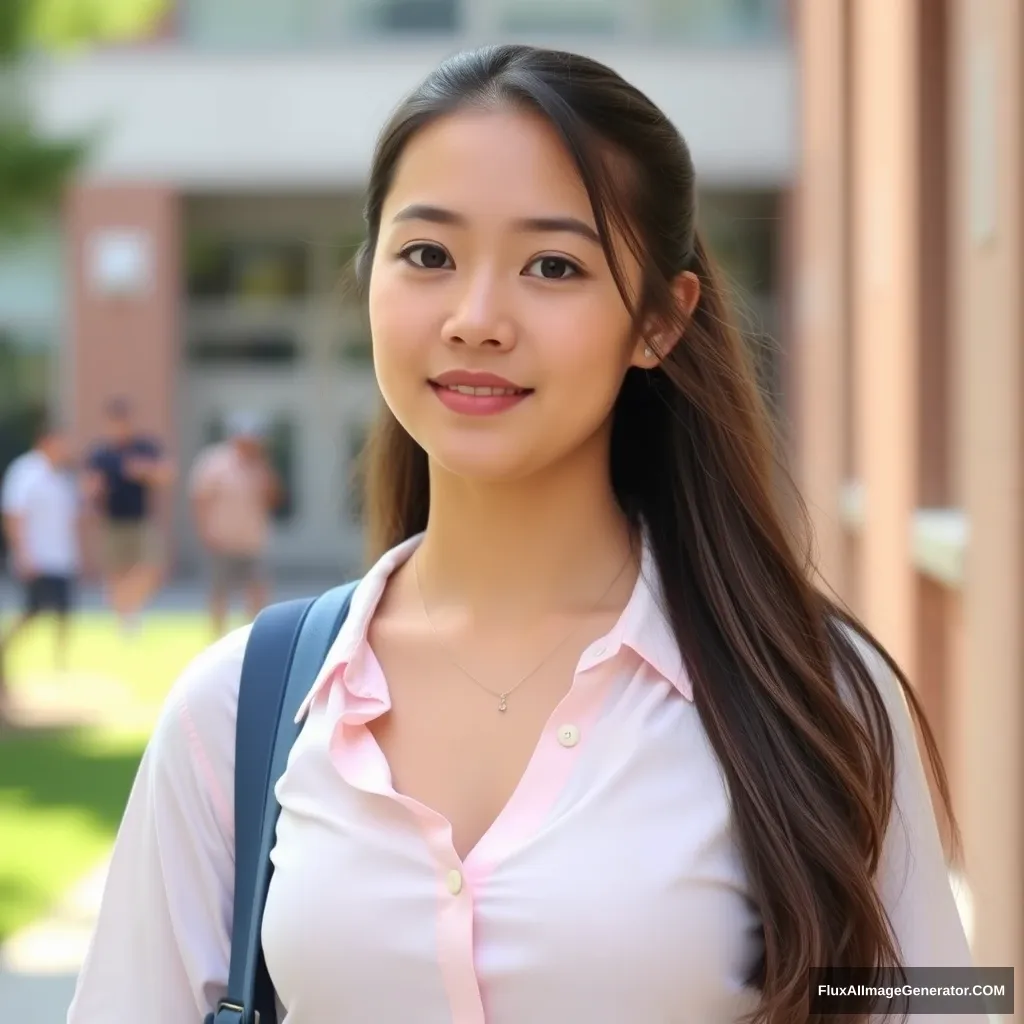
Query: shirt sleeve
{"points": [[161, 946], [913, 876], [12, 492]]}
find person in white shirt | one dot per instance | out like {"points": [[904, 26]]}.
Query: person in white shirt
{"points": [[41, 509], [591, 745]]}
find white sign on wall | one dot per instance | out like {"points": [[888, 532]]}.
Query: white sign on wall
{"points": [[120, 262]]}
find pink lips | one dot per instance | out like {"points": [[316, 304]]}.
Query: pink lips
{"points": [[496, 394]]}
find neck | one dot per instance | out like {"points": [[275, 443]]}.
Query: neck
{"points": [[553, 542]]}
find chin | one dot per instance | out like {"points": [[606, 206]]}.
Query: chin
{"points": [[485, 464]]}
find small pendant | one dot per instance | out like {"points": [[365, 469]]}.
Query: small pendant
{"points": [[503, 704]]}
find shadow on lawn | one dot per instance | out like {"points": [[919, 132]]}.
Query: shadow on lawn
{"points": [[68, 767], [61, 772]]}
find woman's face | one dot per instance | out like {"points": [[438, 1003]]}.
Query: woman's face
{"points": [[488, 273]]}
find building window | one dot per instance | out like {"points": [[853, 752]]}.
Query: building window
{"points": [[244, 23], [577, 17], [344, 252], [243, 271], [249, 349], [427, 16], [353, 344], [26, 360], [741, 231], [290, 24], [357, 350], [728, 22]]}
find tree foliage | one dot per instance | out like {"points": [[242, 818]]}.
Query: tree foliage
{"points": [[34, 170]]}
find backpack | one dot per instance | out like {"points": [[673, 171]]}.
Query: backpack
{"points": [[285, 651]]}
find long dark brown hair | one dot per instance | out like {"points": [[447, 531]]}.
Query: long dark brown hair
{"points": [[810, 769]]}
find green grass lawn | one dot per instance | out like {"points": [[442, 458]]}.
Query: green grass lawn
{"points": [[63, 790]]}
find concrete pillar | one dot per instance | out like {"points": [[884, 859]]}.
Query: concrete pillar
{"points": [[820, 322], [885, 311], [987, 717]]}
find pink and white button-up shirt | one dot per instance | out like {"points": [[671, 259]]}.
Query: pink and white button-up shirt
{"points": [[610, 890]]}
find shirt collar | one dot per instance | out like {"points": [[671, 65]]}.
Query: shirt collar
{"points": [[352, 635], [644, 627]]}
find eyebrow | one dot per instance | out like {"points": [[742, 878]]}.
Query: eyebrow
{"points": [[533, 225]]}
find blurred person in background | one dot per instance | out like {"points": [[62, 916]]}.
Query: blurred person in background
{"points": [[41, 508], [234, 491], [123, 472]]}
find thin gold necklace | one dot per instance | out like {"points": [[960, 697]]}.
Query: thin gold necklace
{"points": [[505, 694]]}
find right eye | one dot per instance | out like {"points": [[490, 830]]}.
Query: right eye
{"points": [[426, 256]]}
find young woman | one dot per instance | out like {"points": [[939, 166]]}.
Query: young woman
{"points": [[590, 746]]}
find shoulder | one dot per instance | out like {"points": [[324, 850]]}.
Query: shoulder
{"points": [[209, 684], [876, 666], [18, 465], [870, 656], [27, 462], [19, 473], [195, 732]]}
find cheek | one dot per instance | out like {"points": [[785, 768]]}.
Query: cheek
{"points": [[589, 352], [400, 324]]}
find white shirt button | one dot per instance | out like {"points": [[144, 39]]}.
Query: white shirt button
{"points": [[454, 881], [568, 735], [599, 650]]}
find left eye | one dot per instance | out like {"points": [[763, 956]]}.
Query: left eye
{"points": [[554, 268]]}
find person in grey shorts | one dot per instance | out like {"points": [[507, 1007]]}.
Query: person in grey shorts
{"points": [[234, 491]]}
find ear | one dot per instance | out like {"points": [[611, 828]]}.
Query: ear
{"points": [[659, 338]]}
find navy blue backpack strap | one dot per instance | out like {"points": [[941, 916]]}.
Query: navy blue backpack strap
{"points": [[285, 650]]}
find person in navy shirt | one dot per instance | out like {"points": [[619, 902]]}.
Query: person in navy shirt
{"points": [[124, 471]]}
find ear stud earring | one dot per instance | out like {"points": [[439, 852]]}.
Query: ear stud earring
{"points": [[648, 352]]}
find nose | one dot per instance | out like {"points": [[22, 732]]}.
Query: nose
{"points": [[480, 318]]}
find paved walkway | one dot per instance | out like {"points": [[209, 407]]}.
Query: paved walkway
{"points": [[39, 965]]}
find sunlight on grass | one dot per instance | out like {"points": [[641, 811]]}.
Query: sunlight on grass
{"points": [[61, 799], [146, 663], [63, 790]]}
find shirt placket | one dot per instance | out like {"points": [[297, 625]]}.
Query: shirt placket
{"points": [[362, 764]]}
